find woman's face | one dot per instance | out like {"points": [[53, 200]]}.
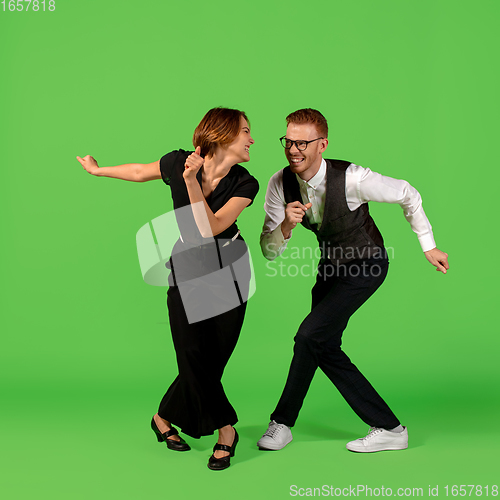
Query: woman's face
{"points": [[241, 144]]}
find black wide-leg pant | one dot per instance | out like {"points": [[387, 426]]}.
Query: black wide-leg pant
{"points": [[196, 401], [339, 291]]}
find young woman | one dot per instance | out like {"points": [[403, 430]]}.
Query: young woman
{"points": [[217, 189]]}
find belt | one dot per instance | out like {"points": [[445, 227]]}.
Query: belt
{"points": [[232, 239], [225, 244]]}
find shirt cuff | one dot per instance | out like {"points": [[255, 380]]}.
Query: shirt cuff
{"points": [[427, 242], [273, 244]]}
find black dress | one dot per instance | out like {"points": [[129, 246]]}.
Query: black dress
{"points": [[196, 401]]}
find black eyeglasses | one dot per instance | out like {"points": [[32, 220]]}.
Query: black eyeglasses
{"points": [[300, 145]]}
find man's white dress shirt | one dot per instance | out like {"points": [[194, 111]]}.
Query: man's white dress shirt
{"points": [[361, 186]]}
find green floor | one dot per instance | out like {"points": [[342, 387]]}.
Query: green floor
{"points": [[84, 448]]}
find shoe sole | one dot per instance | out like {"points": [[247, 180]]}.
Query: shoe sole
{"points": [[389, 448], [218, 468], [268, 448], [173, 448]]}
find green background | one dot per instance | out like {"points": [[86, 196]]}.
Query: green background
{"points": [[409, 89]]}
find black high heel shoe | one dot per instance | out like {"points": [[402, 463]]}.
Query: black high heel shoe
{"points": [[224, 462], [171, 444]]}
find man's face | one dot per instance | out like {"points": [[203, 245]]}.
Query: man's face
{"points": [[305, 163]]}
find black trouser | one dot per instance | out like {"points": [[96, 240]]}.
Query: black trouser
{"points": [[339, 291], [196, 400]]}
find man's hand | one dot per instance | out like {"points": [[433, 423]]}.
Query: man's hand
{"points": [[89, 164], [294, 213], [438, 259], [193, 163]]}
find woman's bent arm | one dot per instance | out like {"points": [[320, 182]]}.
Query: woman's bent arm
{"points": [[135, 172], [209, 224]]}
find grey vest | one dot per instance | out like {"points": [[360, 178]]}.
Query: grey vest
{"points": [[343, 235]]}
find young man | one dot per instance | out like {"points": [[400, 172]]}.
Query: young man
{"points": [[329, 197]]}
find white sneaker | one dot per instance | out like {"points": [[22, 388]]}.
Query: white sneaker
{"points": [[380, 439], [276, 437]]}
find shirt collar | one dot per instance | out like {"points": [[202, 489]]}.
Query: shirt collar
{"points": [[317, 179]]}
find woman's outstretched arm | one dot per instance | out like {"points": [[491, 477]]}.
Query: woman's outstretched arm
{"points": [[135, 172]]}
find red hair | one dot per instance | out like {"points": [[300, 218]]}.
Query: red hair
{"points": [[219, 127], [309, 115]]}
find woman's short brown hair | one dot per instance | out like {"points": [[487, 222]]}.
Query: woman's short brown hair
{"points": [[219, 127], [309, 115]]}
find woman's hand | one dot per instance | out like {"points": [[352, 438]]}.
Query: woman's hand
{"points": [[89, 164], [193, 163]]}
